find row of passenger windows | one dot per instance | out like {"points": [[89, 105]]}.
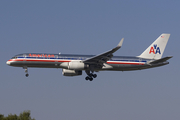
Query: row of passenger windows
{"points": [[52, 58]]}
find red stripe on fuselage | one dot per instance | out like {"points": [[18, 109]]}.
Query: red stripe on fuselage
{"points": [[15, 60]]}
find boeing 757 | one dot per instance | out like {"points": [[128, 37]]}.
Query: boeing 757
{"points": [[73, 65]]}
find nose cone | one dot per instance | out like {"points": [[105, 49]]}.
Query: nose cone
{"points": [[8, 62]]}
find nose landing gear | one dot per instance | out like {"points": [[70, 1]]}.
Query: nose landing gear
{"points": [[26, 71]]}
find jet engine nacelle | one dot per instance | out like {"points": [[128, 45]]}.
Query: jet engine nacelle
{"points": [[67, 72], [77, 65]]}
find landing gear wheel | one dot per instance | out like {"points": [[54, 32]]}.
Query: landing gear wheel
{"points": [[87, 78], [94, 75], [91, 79], [27, 75]]}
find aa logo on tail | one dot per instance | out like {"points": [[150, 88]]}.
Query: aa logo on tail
{"points": [[155, 49]]}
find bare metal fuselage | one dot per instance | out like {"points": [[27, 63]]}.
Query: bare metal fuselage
{"points": [[116, 63]]}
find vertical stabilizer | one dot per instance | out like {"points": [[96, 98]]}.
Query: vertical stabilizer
{"points": [[156, 49]]}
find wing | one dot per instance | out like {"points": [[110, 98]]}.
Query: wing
{"points": [[104, 57]]}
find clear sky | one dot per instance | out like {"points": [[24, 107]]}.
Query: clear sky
{"points": [[89, 27]]}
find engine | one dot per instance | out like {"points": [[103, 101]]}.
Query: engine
{"points": [[77, 65], [67, 72]]}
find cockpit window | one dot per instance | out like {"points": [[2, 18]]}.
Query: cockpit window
{"points": [[14, 57]]}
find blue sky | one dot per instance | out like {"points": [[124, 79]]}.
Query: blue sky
{"points": [[89, 27]]}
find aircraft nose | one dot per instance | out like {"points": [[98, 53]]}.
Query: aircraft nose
{"points": [[8, 62]]}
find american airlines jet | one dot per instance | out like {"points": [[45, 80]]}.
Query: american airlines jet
{"points": [[73, 65]]}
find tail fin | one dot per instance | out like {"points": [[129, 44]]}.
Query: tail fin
{"points": [[156, 49]]}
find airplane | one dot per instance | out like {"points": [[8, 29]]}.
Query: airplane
{"points": [[73, 65]]}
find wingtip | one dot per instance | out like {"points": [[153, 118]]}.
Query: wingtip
{"points": [[121, 42]]}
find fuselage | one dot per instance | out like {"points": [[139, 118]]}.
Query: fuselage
{"points": [[116, 63]]}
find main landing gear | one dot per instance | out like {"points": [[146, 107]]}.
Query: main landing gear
{"points": [[90, 75], [26, 71]]}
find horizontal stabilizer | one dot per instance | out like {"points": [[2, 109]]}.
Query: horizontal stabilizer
{"points": [[161, 60]]}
